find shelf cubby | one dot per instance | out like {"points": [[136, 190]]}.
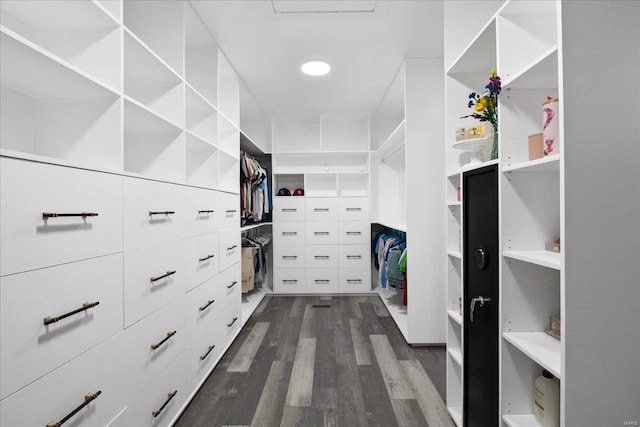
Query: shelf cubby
{"points": [[78, 32], [454, 229], [542, 258], [453, 190], [454, 390], [160, 26], [539, 347], [344, 133], [353, 184], [321, 163], [201, 57], [544, 164], [297, 133], [456, 355], [391, 113], [48, 109], [228, 137], [200, 117], [153, 147], [520, 420], [201, 162], [454, 285], [289, 181], [228, 90], [151, 83], [455, 316], [321, 185], [228, 173], [480, 55]]}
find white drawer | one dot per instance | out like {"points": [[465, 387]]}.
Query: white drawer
{"points": [[322, 256], [321, 281], [158, 404], [321, 209], [154, 212], [143, 361], [322, 233], [203, 258], [354, 256], [290, 280], [229, 323], [353, 208], [354, 233], [204, 304], [231, 285], [202, 211], [153, 276], [29, 189], [355, 280], [230, 248], [29, 348], [204, 351], [289, 233], [229, 210], [289, 256], [57, 394], [288, 209]]}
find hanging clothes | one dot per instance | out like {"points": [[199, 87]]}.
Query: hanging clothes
{"points": [[254, 261], [248, 272], [255, 203]]}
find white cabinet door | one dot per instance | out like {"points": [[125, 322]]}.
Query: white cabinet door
{"points": [[322, 280], [288, 209], [354, 256], [322, 256], [202, 211], [229, 323], [229, 210], [353, 208], [321, 209], [203, 258], [289, 233], [354, 232], [322, 232], [289, 280], [231, 285], [203, 352], [31, 193], [153, 277], [230, 248], [289, 256], [29, 348], [154, 212], [204, 303], [355, 280]]}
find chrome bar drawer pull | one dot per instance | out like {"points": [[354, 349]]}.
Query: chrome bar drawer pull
{"points": [[322, 281], [231, 211], [167, 274], [321, 209], [289, 280], [47, 215], [151, 213], [289, 210], [169, 335], [208, 211], [204, 356], [321, 233], [289, 256], [354, 256], [171, 395], [289, 233], [353, 209], [322, 256], [204, 307], [354, 280], [354, 233], [87, 399], [87, 305]]}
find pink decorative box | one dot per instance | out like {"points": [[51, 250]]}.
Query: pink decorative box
{"points": [[550, 127], [535, 146]]}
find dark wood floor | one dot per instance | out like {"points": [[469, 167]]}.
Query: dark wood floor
{"points": [[322, 361]]}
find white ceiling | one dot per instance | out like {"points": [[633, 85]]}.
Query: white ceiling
{"points": [[364, 41]]}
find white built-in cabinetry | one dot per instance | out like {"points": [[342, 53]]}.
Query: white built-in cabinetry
{"points": [[406, 166], [120, 165], [532, 44]]}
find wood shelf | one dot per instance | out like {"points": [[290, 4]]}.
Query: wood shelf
{"points": [[540, 257], [539, 347], [520, 420], [456, 355], [455, 316]]}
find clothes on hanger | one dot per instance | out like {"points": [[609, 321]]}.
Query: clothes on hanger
{"points": [[388, 246], [254, 261], [255, 203]]}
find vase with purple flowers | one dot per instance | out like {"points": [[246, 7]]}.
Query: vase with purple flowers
{"points": [[486, 108]]}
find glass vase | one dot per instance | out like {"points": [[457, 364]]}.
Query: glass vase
{"points": [[494, 144]]}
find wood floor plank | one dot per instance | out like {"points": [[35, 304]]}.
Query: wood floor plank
{"points": [[351, 407], [376, 399], [371, 321], [293, 416], [354, 306], [308, 328], [247, 353], [433, 360], [361, 343], [392, 373], [298, 307], [432, 406], [379, 307], [301, 383], [269, 410], [408, 413], [260, 308]]}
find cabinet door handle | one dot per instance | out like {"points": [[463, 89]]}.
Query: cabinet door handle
{"points": [[208, 211], [230, 248], [167, 274], [322, 281], [47, 215], [231, 211], [289, 233], [232, 322], [204, 307], [321, 233], [322, 256], [289, 256], [353, 209], [85, 306], [87, 399], [288, 210], [171, 395], [164, 340], [354, 233], [204, 356], [206, 258], [321, 209], [235, 282], [151, 213], [354, 280], [354, 256], [289, 280]]}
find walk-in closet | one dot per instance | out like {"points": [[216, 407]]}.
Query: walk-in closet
{"points": [[319, 213]]}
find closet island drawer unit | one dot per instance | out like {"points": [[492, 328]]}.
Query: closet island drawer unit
{"points": [[354, 232], [353, 208], [322, 280], [204, 303], [322, 233], [354, 279], [229, 210], [322, 256], [289, 256], [289, 233], [53, 215], [94, 379], [289, 280], [202, 211], [354, 256], [203, 258], [49, 316], [154, 212], [230, 248], [153, 277], [288, 208], [321, 208]]}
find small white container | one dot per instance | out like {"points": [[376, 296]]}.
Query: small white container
{"points": [[546, 400]]}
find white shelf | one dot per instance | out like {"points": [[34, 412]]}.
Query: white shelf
{"points": [[394, 225], [454, 254], [540, 257], [480, 55], [456, 355], [456, 415], [544, 164], [520, 420], [455, 316], [200, 117], [475, 166], [541, 73], [539, 347], [454, 203]]}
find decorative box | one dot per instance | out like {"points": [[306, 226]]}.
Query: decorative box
{"points": [[550, 127], [535, 146]]}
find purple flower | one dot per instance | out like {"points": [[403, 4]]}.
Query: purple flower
{"points": [[470, 104], [472, 95]]}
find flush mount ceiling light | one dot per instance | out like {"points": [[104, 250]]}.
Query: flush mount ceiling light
{"points": [[315, 68]]}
